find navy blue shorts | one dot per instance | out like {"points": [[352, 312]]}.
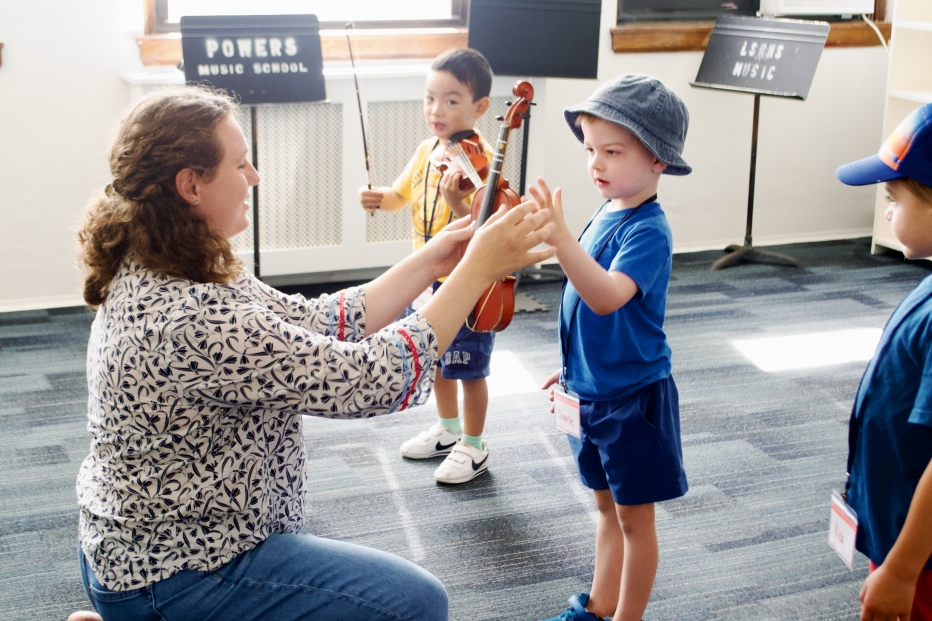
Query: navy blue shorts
{"points": [[469, 354], [631, 446]]}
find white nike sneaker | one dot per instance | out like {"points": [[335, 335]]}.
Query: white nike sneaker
{"points": [[437, 440], [464, 463]]}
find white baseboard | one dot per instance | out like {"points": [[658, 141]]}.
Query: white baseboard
{"points": [[764, 240]]}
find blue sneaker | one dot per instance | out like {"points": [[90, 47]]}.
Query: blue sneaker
{"points": [[577, 610]]}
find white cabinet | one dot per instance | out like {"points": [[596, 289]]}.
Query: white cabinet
{"points": [[909, 85]]}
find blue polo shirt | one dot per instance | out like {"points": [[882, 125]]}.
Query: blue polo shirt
{"points": [[612, 356], [891, 425]]}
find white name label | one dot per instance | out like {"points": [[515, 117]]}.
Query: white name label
{"points": [[842, 529], [566, 409]]}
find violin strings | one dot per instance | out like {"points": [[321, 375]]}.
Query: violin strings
{"points": [[464, 160]]}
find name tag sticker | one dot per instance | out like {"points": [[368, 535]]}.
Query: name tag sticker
{"points": [[566, 408], [842, 529]]}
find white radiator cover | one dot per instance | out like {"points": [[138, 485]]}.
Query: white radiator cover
{"points": [[300, 192], [301, 156]]}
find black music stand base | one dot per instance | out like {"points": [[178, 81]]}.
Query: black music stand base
{"points": [[750, 254]]}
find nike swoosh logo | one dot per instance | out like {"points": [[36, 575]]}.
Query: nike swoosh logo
{"points": [[476, 466], [443, 447]]}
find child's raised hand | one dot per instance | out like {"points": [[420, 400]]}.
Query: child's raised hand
{"points": [[549, 383], [543, 198], [370, 199]]}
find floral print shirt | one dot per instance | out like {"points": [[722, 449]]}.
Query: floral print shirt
{"points": [[196, 393]]}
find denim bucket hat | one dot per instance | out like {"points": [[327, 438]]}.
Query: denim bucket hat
{"points": [[648, 109]]}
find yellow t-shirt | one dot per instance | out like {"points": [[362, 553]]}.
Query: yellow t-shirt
{"points": [[429, 211]]}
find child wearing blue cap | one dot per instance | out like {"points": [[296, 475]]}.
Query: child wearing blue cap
{"points": [[615, 395], [890, 434]]}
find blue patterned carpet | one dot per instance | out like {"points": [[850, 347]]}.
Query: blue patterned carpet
{"points": [[762, 451]]}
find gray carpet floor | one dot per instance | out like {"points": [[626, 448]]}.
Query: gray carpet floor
{"points": [[762, 452]]}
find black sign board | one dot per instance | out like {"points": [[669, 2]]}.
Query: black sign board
{"points": [[259, 58], [547, 38], [759, 55]]}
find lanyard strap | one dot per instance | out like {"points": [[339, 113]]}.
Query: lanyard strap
{"points": [[429, 224], [565, 339]]}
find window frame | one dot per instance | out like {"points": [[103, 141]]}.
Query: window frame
{"points": [[635, 37], [157, 50], [157, 11], [696, 15], [682, 15]]}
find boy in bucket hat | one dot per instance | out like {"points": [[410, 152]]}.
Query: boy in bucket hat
{"points": [[615, 396], [889, 484]]}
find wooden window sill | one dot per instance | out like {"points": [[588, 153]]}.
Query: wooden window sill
{"points": [[161, 50], [693, 36]]}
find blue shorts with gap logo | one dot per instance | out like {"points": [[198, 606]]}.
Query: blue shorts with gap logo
{"points": [[631, 446], [468, 356]]}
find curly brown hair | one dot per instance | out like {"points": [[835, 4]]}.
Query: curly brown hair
{"points": [[140, 214]]}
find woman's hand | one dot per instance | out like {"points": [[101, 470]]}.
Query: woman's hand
{"points": [[553, 379], [390, 293], [444, 251], [887, 596], [504, 244]]}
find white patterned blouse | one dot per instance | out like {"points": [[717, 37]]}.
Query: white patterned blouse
{"points": [[196, 393]]}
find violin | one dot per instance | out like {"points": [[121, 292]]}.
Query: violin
{"points": [[496, 307], [464, 153]]}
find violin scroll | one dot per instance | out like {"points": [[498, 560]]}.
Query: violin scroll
{"points": [[495, 308], [524, 92]]}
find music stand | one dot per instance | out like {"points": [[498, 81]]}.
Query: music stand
{"points": [[258, 59], [761, 56]]}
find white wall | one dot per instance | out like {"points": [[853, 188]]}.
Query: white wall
{"points": [[61, 95]]}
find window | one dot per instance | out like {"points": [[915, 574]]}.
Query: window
{"points": [[709, 10], [334, 15], [660, 10]]}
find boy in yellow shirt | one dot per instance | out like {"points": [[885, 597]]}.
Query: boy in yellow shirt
{"points": [[455, 97]]}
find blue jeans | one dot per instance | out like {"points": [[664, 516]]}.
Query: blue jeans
{"points": [[285, 577]]}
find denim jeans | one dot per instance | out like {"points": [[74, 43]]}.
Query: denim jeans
{"points": [[285, 577]]}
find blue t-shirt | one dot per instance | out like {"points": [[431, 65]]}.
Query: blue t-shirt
{"points": [[891, 425], [610, 357]]}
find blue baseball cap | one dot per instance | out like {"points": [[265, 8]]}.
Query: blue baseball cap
{"points": [[906, 153], [645, 107]]}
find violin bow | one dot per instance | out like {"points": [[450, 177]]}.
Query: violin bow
{"points": [[362, 122]]}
